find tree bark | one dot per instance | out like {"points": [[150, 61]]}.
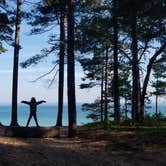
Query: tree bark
{"points": [[126, 109], [135, 69], [102, 94], [71, 70], [106, 88], [15, 65], [156, 103], [157, 95], [61, 69], [116, 79]]}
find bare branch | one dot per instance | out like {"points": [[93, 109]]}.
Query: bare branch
{"points": [[50, 84], [144, 50], [49, 72], [123, 52]]}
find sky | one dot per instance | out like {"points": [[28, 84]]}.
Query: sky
{"points": [[32, 45]]}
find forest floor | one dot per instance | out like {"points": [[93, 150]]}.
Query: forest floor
{"points": [[92, 147]]}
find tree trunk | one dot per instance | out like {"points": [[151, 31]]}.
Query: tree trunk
{"points": [[61, 69], [15, 66], [156, 104], [126, 109], [157, 95], [135, 69], [71, 70], [102, 94], [157, 80], [116, 80], [106, 88]]}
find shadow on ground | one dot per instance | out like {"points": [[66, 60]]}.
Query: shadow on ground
{"points": [[119, 148]]}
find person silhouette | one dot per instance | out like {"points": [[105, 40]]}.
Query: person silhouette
{"points": [[33, 108]]}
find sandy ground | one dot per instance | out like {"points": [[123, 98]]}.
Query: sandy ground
{"points": [[76, 152]]}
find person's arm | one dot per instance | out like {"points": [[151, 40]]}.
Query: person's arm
{"points": [[25, 102], [42, 101]]}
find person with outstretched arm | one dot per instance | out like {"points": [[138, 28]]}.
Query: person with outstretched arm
{"points": [[33, 108]]}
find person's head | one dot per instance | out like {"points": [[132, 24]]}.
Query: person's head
{"points": [[33, 99]]}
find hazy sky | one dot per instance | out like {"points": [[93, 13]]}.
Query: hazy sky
{"points": [[26, 89]]}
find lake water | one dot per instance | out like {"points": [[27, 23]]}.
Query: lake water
{"points": [[46, 114]]}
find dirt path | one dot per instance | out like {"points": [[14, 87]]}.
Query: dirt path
{"points": [[77, 152]]}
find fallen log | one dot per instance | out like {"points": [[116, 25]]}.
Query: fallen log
{"points": [[36, 132]]}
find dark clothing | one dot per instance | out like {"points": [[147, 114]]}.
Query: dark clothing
{"points": [[33, 108]]}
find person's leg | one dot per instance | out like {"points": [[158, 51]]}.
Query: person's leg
{"points": [[30, 116], [35, 118]]}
